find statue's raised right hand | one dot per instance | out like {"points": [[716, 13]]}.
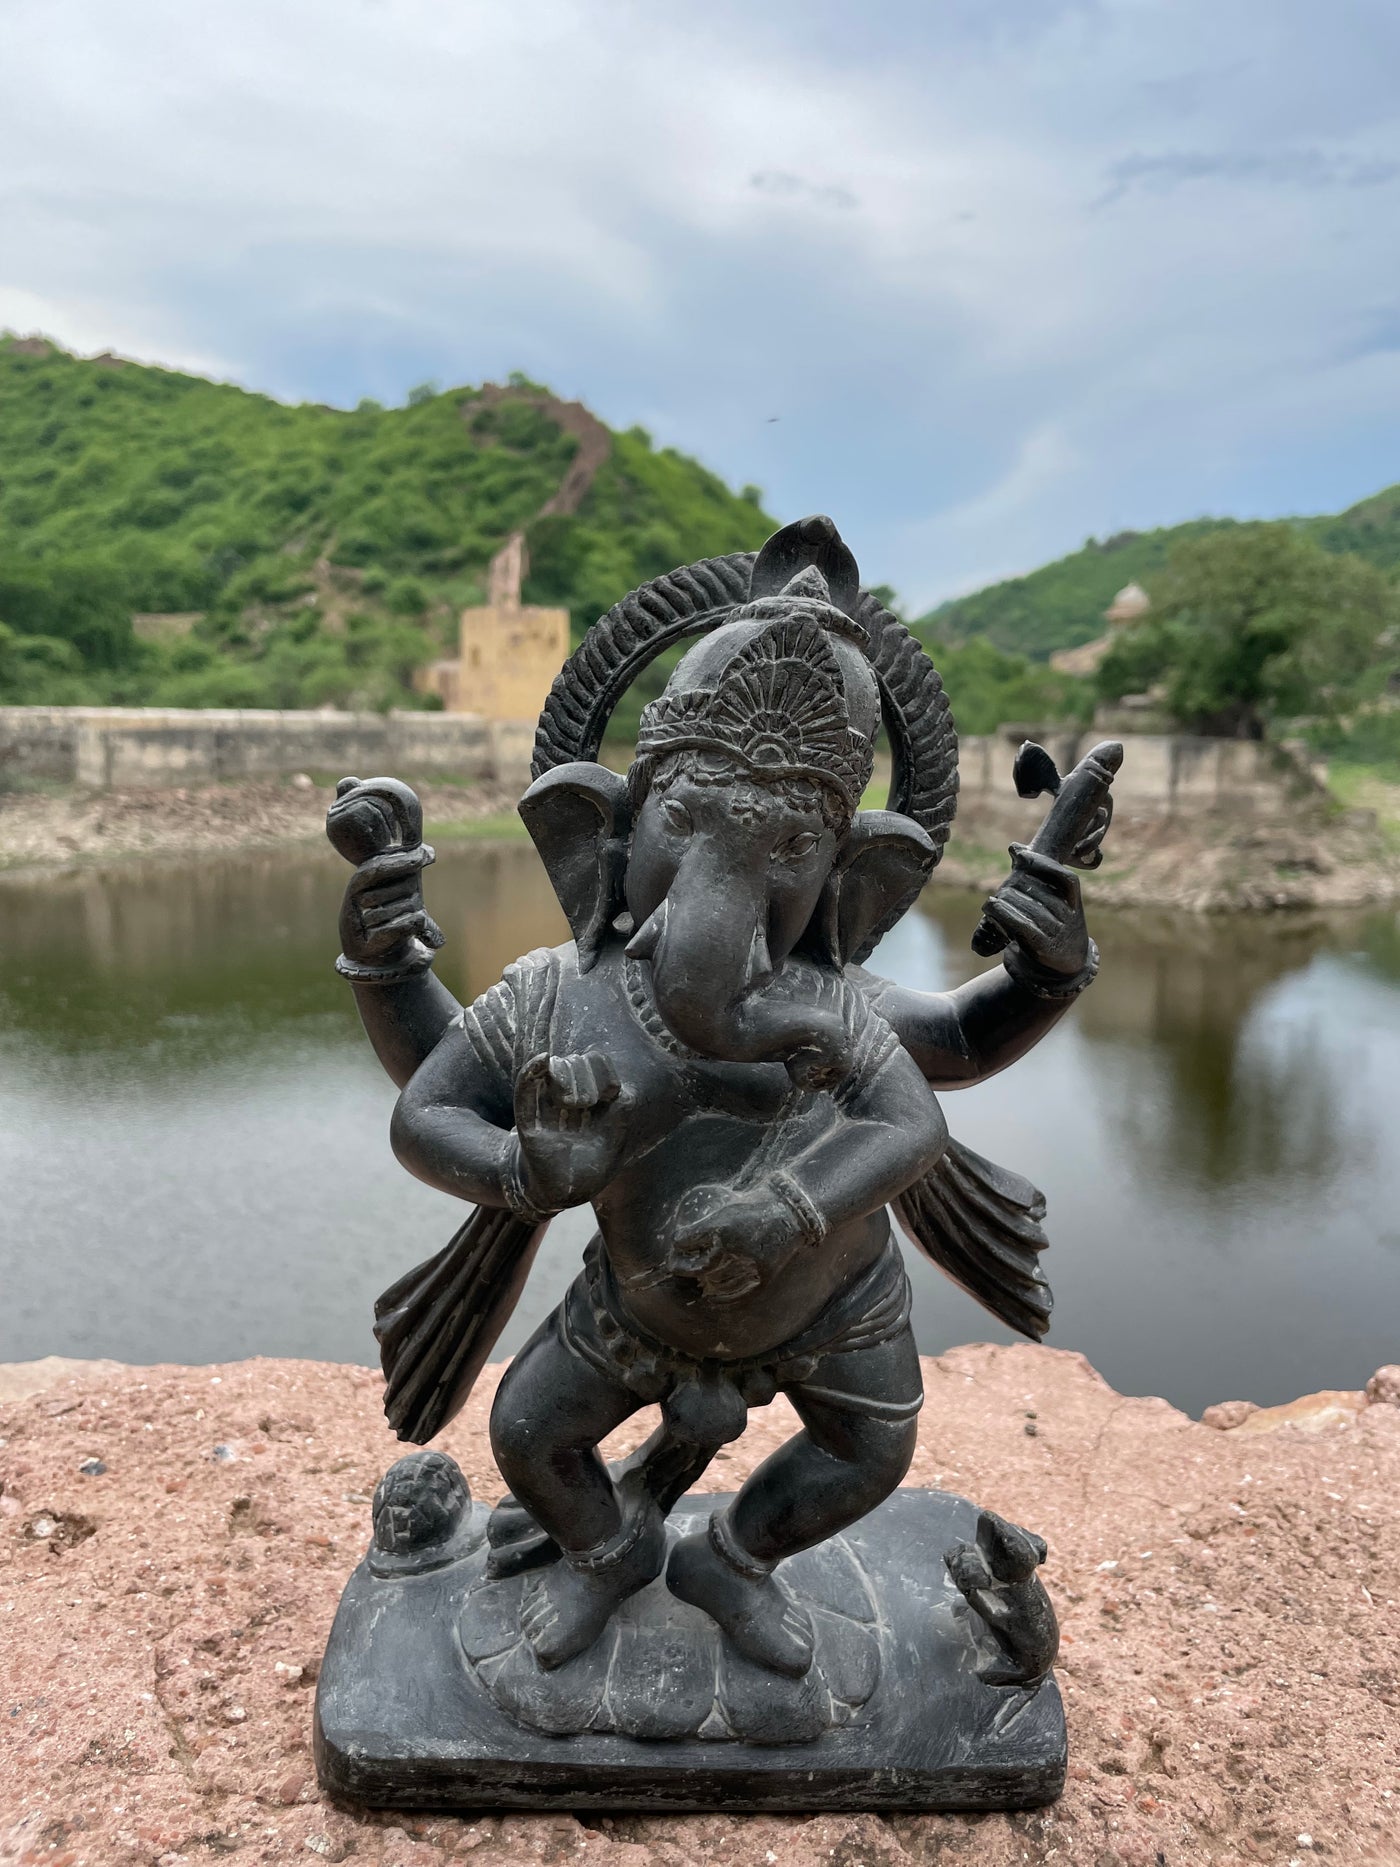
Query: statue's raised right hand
{"points": [[378, 825], [383, 910]]}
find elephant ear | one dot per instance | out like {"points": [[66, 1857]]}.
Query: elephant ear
{"points": [[580, 820], [882, 865]]}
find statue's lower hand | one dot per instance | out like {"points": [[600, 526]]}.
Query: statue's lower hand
{"points": [[727, 1241], [568, 1154], [1040, 908]]}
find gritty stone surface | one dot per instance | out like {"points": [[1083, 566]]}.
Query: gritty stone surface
{"points": [[20, 1378], [1231, 1658], [1311, 1413], [1226, 1415]]}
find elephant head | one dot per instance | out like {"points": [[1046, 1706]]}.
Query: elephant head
{"points": [[736, 842]]}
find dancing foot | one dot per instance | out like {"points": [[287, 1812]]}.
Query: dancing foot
{"points": [[569, 1604], [753, 1608]]}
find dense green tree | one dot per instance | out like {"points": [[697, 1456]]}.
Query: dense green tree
{"points": [[35, 668], [1256, 623], [1062, 604], [990, 688], [125, 489]]}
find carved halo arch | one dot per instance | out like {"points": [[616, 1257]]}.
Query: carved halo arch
{"points": [[699, 597]]}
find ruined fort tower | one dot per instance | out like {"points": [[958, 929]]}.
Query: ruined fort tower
{"points": [[508, 651]]}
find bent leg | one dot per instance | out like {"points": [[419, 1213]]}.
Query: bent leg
{"points": [[860, 1413], [550, 1413], [860, 1418]]}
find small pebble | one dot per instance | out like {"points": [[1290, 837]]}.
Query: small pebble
{"points": [[224, 1454], [92, 1468], [1030, 1429]]}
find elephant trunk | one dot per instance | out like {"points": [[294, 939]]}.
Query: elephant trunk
{"points": [[715, 982]]}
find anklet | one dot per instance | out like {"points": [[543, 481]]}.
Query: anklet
{"points": [[722, 1541], [607, 1555]]}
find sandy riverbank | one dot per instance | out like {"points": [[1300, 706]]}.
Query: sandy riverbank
{"points": [[1228, 1601], [44, 831], [1211, 862]]}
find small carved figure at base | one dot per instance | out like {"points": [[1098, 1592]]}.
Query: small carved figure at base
{"points": [[422, 1515], [1015, 1626]]}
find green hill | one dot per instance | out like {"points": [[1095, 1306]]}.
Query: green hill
{"points": [[1062, 604], [294, 556]]}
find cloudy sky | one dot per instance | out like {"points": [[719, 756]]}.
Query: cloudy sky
{"points": [[978, 277]]}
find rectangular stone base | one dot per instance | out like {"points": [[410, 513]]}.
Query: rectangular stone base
{"points": [[407, 1717]]}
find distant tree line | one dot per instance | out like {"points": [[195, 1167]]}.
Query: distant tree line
{"points": [[326, 553]]}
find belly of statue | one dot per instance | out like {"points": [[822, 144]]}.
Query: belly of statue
{"points": [[636, 1222]]}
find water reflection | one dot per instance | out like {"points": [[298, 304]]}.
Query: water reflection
{"points": [[194, 1161], [133, 959], [1230, 1096]]}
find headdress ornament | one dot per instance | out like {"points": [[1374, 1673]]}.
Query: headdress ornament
{"points": [[781, 705], [772, 626]]}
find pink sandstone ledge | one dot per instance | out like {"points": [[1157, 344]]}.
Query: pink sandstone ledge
{"points": [[1231, 1659]]}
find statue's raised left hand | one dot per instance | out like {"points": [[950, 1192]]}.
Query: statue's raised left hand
{"points": [[1040, 908], [382, 912]]}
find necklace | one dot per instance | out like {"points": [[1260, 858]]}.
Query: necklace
{"points": [[644, 1010]]}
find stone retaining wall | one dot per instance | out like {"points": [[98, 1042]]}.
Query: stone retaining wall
{"points": [[1164, 774], [131, 747]]}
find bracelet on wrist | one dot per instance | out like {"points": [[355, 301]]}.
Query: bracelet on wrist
{"points": [[800, 1203], [417, 960], [513, 1188], [1047, 984]]}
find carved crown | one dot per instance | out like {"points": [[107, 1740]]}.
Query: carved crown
{"points": [[779, 707]]}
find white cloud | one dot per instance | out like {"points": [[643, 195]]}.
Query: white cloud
{"points": [[974, 364], [89, 328], [973, 532]]}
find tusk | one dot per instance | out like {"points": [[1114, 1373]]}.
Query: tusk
{"points": [[647, 938], [760, 966]]}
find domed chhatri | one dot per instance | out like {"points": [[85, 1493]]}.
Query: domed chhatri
{"points": [[710, 1066]]}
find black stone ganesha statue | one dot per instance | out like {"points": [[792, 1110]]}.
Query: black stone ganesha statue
{"points": [[710, 1066]]}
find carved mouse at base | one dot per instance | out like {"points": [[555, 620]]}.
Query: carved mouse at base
{"points": [[1018, 1637]]}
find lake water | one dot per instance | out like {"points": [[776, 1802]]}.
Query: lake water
{"points": [[194, 1157]]}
